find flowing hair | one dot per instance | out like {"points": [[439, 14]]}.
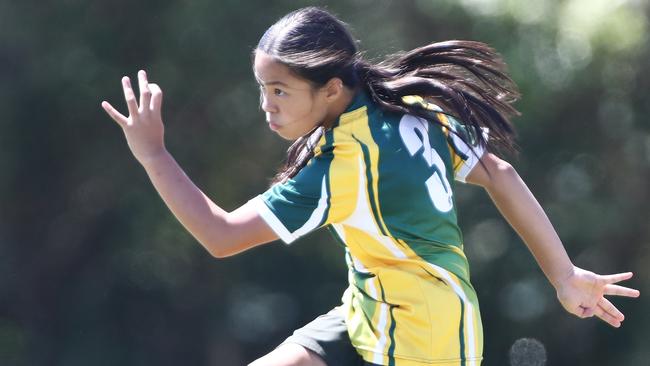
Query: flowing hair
{"points": [[466, 79]]}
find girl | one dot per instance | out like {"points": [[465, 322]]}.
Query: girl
{"points": [[376, 151]]}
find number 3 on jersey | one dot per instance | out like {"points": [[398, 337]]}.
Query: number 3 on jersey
{"points": [[414, 133]]}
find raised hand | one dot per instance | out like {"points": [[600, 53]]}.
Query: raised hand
{"points": [[143, 127], [583, 294]]}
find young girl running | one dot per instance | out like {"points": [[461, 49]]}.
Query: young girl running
{"points": [[377, 149]]}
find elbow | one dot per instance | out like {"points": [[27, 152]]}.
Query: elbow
{"points": [[503, 168], [218, 249], [500, 174], [491, 173], [219, 243], [218, 254]]}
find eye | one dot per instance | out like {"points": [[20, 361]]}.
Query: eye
{"points": [[279, 92]]}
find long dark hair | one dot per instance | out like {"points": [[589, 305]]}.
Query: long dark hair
{"points": [[467, 79]]}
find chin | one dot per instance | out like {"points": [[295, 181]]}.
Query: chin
{"points": [[286, 137], [291, 134]]}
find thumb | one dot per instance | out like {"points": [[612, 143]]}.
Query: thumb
{"points": [[586, 312], [114, 114]]}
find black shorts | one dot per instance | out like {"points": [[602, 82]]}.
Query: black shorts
{"points": [[327, 336]]}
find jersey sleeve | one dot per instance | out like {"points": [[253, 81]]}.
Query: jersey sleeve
{"points": [[299, 205], [320, 194], [466, 150]]}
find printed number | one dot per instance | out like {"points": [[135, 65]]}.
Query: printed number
{"points": [[415, 136]]}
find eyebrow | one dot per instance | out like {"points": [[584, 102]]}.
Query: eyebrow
{"points": [[271, 82]]}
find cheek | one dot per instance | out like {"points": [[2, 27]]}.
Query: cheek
{"points": [[302, 109], [315, 109]]}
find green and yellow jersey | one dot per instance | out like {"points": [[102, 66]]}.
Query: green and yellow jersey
{"points": [[382, 183]]}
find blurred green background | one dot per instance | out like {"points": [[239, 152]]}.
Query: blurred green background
{"points": [[95, 270]]}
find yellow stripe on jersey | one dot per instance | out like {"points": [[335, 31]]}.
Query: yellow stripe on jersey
{"points": [[456, 160], [471, 332], [363, 134], [348, 160], [343, 177]]}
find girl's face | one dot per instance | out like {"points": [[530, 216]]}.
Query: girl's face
{"points": [[292, 105]]}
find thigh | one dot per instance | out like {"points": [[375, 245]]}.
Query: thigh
{"points": [[290, 354], [324, 340]]}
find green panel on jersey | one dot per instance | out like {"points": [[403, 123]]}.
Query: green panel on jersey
{"points": [[402, 184]]}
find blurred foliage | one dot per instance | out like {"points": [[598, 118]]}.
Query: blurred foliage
{"points": [[95, 270]]}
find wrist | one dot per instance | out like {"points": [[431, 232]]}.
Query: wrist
{"points": [[562, 278], [151, 158]]}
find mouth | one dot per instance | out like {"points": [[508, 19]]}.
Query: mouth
{"points": [[273, 126]]}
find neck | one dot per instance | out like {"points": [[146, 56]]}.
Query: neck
{"points": [[339, 106]]}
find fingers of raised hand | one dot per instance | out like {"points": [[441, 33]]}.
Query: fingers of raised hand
{"points": [[609, 313], [616, 290], [114, 114], [145, 92], [607, 318], [150, 100], [156, 97], [129, 96], [618, 277], [607, 306]]}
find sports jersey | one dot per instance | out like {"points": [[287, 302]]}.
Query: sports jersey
{"points": [[382, 183]]}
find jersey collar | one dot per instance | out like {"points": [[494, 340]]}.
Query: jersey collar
{"points": [[359, 104]]}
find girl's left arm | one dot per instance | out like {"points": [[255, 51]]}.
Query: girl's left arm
{"points": [[580, 292]]}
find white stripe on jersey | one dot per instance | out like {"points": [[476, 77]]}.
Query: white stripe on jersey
{"points": [[271, 219], [312, 223], [473, 155], [317, 215], [362, 218]]}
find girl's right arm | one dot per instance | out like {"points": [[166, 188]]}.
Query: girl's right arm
{"points": [[221, 233], [580, 292]]}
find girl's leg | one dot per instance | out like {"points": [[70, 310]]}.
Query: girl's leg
{"points": [[323, 342], [290, 354]]}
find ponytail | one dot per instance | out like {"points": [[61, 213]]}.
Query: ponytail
{"points": [[466, 79]]}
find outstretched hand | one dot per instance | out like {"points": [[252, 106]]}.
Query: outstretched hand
{"points": [[143, 127], [583, 294]]}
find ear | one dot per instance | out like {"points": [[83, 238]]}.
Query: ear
{"points": [[333, 89]]}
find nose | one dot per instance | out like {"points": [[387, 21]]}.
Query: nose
{"points": [[267, 105]]}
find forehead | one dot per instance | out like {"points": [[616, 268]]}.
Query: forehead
{"points": [[270, 72]]}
